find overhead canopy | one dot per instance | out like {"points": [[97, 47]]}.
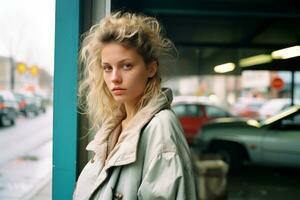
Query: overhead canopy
{"points": [[212, 32]]}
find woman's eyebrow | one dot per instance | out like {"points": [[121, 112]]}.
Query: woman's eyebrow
{"points": [[125, 60], [120, 61], [105, 63]]}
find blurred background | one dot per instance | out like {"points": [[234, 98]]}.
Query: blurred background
{"points": [[26, 96], [235, 79]]}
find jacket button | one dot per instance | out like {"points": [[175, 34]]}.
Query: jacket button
{"points": [[118, 196]]}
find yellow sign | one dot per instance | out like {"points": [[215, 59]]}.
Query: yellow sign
{"points": [[21, 68], [34, 70]]}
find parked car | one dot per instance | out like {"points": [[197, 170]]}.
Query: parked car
{"points": [[41, 102], [30, 103], [274, 106], [274, 141], [8, 108], [248, 107], [194, 112]]}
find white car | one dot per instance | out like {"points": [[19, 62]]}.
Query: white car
{"points": [[272, 142]]}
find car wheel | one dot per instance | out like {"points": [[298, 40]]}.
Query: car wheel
{"points": [[232, 155], [25, 113], [12, 122], [5, 121]]}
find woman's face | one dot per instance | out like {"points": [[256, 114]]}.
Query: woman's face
{"points": [[125, 72]]}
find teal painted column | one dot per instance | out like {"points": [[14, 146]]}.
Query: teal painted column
{"points": [[65, 101]]}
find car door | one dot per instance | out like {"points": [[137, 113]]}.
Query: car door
{"points": [[281, 142]]}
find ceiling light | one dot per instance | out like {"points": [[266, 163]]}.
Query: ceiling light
{"points": [[227, 67], [255, 60], [286, 53]]}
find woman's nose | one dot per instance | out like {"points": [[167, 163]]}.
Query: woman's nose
{"points": [[116, 76]]}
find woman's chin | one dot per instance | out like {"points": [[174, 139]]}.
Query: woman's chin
{"points": [[119, 99], [125, 100]]}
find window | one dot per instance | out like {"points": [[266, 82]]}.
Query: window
{"points": [[192, 110], [187, 110], [291, 122], [215, 112], [179, 110]]}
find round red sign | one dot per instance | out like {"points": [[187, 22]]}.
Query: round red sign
{"points": [[277, 83]]}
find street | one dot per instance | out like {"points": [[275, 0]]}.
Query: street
{"points": [[26, 157], [27, 134], [264, 183]]}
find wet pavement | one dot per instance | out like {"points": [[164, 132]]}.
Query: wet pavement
{"points": [[264, 183], [24, 177], [44, 193], [26, 135]]}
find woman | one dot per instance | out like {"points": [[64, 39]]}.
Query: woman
{"points": [[140, 151]]}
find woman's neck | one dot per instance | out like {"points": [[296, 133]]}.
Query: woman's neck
{"points": [[130, 110]]}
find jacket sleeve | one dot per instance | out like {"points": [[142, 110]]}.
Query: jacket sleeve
{"points": [[167, 178]]}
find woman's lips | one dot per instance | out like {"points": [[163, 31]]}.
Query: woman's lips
{"points": [[118, 91]]}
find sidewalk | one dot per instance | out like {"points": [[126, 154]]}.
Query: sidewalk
{"points": [[44, 193], [27, 176]]}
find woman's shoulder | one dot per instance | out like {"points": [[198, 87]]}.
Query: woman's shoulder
{"points": [[164, 117], [164, 130], [164, 136]]}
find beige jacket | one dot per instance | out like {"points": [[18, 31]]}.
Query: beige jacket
{"points": [[150, 159]]}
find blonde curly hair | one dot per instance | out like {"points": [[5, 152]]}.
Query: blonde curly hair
{"points": [[131, 30]]}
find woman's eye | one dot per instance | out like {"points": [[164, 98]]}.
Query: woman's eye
{"points": [[127, 66], [107, 68]]}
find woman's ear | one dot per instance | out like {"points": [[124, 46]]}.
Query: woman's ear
{"points": [[152, 69]]}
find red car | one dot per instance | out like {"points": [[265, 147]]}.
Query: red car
{"points": [[194, 112]]}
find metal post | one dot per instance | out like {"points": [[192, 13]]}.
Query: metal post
{"points": [[12, 74], [292, 87], [65, 101]]}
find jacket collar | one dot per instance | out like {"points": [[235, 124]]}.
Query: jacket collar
{"points": [[125, 151]]}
